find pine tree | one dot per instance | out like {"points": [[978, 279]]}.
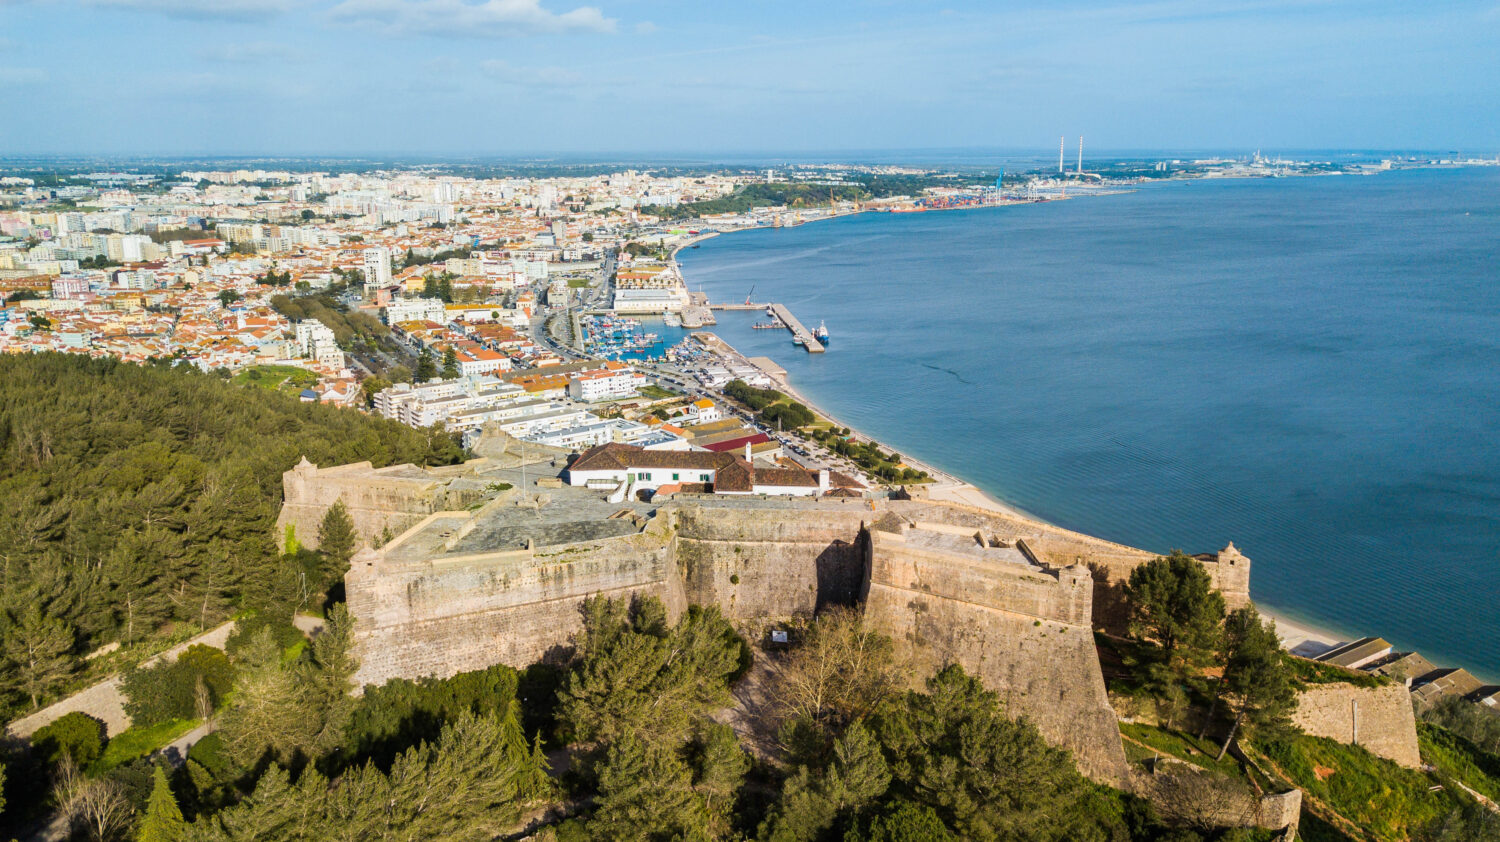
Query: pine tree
{"points": [[1173, 604], [1257, 680], [332, 675], [450, 363], [271, 710], [646, 792], [40, 649], [722, 765], [163, 821], [336, 537], [426, 368]]}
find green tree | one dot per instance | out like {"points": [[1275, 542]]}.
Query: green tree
{"points": [[228, 297], [271, 713], [373, 386], [331, 677], [989, 777], [636, 675], [336, 538], [75, 735], [646, 793], [426, 368], [721, 767], [902, 821], [39, 649], [1174, 606], [450, 363], [163, 820], [810, 803], [1258, 681]]}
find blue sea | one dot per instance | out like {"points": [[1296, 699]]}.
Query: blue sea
{"points": [[1309, 367]]}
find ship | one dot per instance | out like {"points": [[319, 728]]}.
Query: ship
{"points": [[821, 334]]}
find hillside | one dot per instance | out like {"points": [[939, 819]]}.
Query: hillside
{"points": [[142, 501]]}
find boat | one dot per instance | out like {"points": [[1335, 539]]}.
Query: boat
{"points": [[774, 324], [821, 333], [797, 340]]}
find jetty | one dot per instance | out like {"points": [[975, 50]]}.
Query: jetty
{"points": [[809, 341]]}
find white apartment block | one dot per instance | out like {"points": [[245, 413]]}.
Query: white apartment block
{"points": [[415, 309], [377, 266]]}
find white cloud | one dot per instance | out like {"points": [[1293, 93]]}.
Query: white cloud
{"points": [[531, 77], [487, 18], [234, 9], [253, 52], [646, 27]]}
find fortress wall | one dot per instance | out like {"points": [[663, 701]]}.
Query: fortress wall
{"points": [[449, 616], [1378, 718], [757, 567], [1057, 547], [1043, 665], [375, 502]]}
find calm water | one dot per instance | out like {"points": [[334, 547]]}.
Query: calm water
{"points": [[1308, 367]]}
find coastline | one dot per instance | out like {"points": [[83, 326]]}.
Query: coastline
{"points": [[1298, 636], [1303, 637]]}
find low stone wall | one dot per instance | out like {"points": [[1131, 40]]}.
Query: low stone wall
{"points": [[104, 701], [1378, 718]]}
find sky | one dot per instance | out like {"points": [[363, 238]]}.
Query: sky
{"points": [[559, 77]]}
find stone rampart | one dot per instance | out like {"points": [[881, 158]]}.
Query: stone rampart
{"points": [[450, 615], [378, 501], [755, 567], [1378, 718], [105, 701], [1023, 632]]}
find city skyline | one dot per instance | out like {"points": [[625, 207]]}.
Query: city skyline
{"points": [[554, 76]]}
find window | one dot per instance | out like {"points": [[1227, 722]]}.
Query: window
{"points": [[703, 477], [675, 477]]}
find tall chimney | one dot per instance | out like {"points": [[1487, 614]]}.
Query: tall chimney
{"points": [[747, 453], [822, 481]]}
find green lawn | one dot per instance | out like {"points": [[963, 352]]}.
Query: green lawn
{"points": [[1182, 746], [651, 390], [283, 377], [580, 283], [139, 742]]}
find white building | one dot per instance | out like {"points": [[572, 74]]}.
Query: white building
{"points": [[377, 266], [613, 382], [415, 309]]}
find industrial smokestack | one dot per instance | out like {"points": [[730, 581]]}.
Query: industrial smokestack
{"points": [[1080, 154], [1061, 145]]}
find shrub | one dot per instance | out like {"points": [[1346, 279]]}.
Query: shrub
{"points": [[166, 691], [76, 735], [283, 632]]}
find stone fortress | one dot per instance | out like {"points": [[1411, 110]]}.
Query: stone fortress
{"points": [[465, 567]]}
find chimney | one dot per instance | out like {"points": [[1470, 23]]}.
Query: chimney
{"points": [[747, 454], [822, 481]]}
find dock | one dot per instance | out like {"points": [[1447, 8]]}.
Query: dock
{"points": [[739, 306], [809, 341]]}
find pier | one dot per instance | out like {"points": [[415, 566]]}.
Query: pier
{"points": [[809, 341], [781, 312]]}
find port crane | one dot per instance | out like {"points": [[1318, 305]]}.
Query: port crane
{"points": [[747, 297]]}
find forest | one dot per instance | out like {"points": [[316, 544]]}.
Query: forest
{"points": [[142, 500]]}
